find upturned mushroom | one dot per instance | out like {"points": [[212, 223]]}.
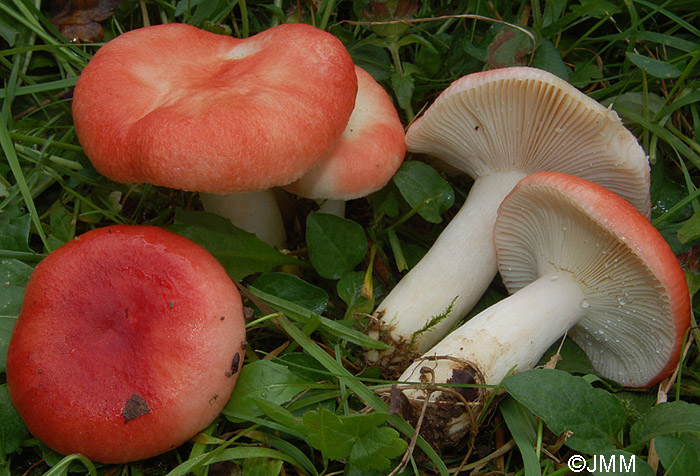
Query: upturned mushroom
{"points": [[176, 106], [579, 261], [497, 126], [366, 156], [129, 342]]}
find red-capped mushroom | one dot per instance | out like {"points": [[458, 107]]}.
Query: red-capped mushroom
{"points": [[176, 106], [579, 260], [129, 342], [366, 156]]}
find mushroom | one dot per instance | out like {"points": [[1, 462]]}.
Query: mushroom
{"points": [[129, 342], [176, 106], [366, 156], [580, 261], [497, 126]]}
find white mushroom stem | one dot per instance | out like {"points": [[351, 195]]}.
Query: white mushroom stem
{"points": [[254, 212], [332, 207], [449, 279], [511, 335]]}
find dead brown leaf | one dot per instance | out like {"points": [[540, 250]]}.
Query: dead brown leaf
{"points": [[78, 20]]}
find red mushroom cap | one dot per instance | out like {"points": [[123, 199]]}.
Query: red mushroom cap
{"points": [[368, 153], [180, 107], [129, 342]]}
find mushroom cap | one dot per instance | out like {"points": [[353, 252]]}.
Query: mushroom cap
{"points": [[529, 120], [368, 153], [128, 343], [180, 107], [636, 303]]}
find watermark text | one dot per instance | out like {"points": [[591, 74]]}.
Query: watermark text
{"points": [[603, 464]]}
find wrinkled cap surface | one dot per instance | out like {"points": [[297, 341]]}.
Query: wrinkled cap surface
{"points": [[368, 153], [636, 303], [129, 342], [529, 120], [180, 107]]}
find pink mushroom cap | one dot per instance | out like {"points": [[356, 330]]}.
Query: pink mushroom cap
{"points": [[129, 342]]}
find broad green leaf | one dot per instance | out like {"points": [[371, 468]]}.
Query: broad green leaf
{"points": [[637, 102], [13, 278], [421, 186], [376, 448], [690, 229], [327, 433], [510, 47], [403, 86], [336, 245], [654, 67], [672, 41], [261, 467], [386, 201], [679, 455], [293, 289], [573, 358], [279, 414], [569, 403], [12, 429], [62, 229], [349, 289], [355, 437], [14, 231], [241, 253], [266, 380], [548, 57], [584, 74], [523, 428], [665, 419]]}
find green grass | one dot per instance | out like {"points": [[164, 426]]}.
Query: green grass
{"points": [[642, 55]]}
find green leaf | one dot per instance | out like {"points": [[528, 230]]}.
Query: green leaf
{"points": [[510, 47], [261, 467], [263, 379], [690, 229], [61, 224], [293, 289], [12, 429], [241, 253], [573, 359], [548, 57], [355, 437], [665, 419], [279, 414], [421, 186], [403, 86], [336, 245], [376, 448], [349, 289], [568, 403], [14, 231], [654, 67], [637, 102], [679, 455], [13, 278], [327, 433]]}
